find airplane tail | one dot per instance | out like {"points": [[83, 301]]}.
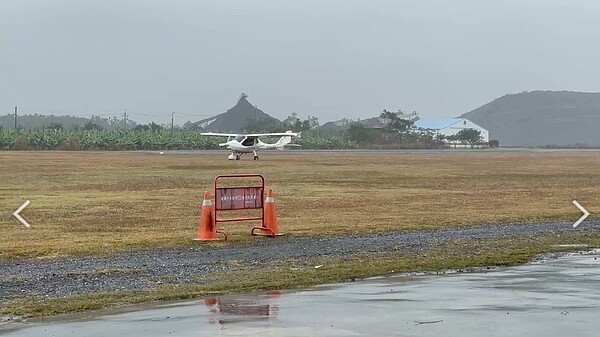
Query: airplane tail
{"points": [[285, 140], [281, 144]]}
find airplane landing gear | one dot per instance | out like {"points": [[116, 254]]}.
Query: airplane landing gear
{"points": [[255, 156], [235, 156]]}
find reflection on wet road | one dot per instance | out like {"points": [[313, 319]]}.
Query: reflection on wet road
{"points": [[559, 297]]}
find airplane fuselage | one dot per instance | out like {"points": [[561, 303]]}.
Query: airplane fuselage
{"points": [[242, 148]]}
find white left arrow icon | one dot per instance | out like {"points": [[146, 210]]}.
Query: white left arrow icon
{"points": [[19, 217], [583, 217]]}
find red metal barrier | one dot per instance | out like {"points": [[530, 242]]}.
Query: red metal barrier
{"points": [[245, 197]]}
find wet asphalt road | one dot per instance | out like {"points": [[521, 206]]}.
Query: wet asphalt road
{"points": [[63, 278]]}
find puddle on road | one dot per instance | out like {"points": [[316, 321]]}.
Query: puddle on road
{"points": [[559, 297]]}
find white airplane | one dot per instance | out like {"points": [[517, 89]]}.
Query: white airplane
{"points": [[250, 143]]}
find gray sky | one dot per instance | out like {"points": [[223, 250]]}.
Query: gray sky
{"points": [[330, 59]]}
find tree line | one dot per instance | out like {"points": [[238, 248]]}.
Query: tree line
{"points": [[396, 133]]}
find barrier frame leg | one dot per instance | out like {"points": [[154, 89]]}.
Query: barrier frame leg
{"points": [[273, 235]]}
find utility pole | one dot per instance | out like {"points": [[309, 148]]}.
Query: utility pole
{"points": [[15, 117], [172, 119], [125, 118]]}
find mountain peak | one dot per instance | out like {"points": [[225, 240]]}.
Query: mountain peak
{"points": [[235, 119], [243, 98]]}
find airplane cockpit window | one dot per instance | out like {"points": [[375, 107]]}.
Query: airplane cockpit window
{"points": [[239, 138], [249, 141]]}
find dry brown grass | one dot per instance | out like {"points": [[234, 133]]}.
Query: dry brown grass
{"points": [[103, 202]]}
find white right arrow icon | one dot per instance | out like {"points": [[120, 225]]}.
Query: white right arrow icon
{"points": [[583, 217], [19, 217]]}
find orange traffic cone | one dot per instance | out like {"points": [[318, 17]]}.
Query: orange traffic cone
{"points": [[270, 225], [207, 231]]}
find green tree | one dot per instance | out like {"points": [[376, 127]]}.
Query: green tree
{"points": [[148, 127], [141, 127], [156, 127], [189, 126], [299, 125], [469, 136], [398, 129], [360, 133], [55, 126], [89, 126], [393, 123]]}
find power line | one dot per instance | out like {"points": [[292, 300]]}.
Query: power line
{"points": [[197, 114]]}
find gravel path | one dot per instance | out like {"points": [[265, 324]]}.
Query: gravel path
{"points": [[61, 278]]}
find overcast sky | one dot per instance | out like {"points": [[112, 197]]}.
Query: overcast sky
{"points": [[330, 59]]}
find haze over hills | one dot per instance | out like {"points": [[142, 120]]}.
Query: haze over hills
{"points": [[37, 121], [539, 118]]}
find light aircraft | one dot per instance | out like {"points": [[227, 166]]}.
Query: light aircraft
{"points": [[250, 143]]}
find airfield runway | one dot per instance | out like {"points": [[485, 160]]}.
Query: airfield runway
{"points": [[383, 152]]}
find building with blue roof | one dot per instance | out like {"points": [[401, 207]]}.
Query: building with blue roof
{"points": [[450, 126]]}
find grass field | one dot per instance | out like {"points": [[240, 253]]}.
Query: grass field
{"points": [[104, 202]]}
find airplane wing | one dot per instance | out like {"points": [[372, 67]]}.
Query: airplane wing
{"points": [[219, 134], [274, 134]]}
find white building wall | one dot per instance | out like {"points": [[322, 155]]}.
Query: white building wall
{"points": [[465, 124]]}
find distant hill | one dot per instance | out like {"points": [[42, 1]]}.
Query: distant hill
{"points": [[540, 118], [237, 118], [339, 125]]}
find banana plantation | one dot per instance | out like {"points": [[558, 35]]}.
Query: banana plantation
{"points": [[121, 140]]}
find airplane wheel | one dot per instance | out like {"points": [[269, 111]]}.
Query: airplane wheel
{"points": [[237, 157], [255, 157]]}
